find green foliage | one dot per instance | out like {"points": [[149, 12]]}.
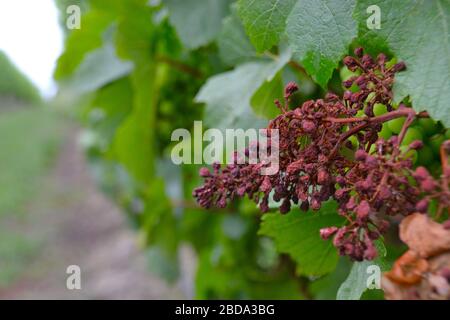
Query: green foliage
{"points": [[326, 287], [153, 67], [81, 41], [62, 6], [136, 131], [110, 106], [417, 33], [265, 21], [356, 283], [197, 21], [319, 33], [14, 84], [98, 68], [263, 98], [228, 95], [235, 266], [234, 45], [296, 233]]}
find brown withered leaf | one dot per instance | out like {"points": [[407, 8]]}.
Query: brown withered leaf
{"points": [[408, 269], [424, 236], [423, 272], [434, 283]]}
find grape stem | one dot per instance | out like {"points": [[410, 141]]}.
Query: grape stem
{"points": [[401, 136], [404, 112], [180, 66], [444, 163]]}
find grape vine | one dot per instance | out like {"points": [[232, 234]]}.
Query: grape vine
{"points": [[375, 182]]}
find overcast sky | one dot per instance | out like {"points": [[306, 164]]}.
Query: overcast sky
{"points": [[31, 37]]}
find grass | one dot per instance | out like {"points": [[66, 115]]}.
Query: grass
{"points": [[15, 252], [14, 84], [29, 140]]}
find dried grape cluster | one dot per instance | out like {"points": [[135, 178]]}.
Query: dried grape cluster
{"points": [[375, 181]]}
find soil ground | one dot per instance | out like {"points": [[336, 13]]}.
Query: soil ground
{"points": [[70, 222]]}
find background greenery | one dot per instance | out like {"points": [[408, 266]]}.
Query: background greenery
{"points": [[31, 135], [15, 88]]}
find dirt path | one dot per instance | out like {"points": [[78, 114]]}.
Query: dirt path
{"points": [[71, 222]]}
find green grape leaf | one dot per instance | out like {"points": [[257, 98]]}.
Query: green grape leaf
{"points": [[134, 144], [215, 280], [263, 100], [326, 287], [264, 20], [197, 22], [99, 67], [297, 233], [319, 34], [81, 41], [113, 103], [228, 94], [158, 229], [234, 45], [135, 139], [165, 265], [227, 267], [418, 33], [356, 283], [157, 219]]}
